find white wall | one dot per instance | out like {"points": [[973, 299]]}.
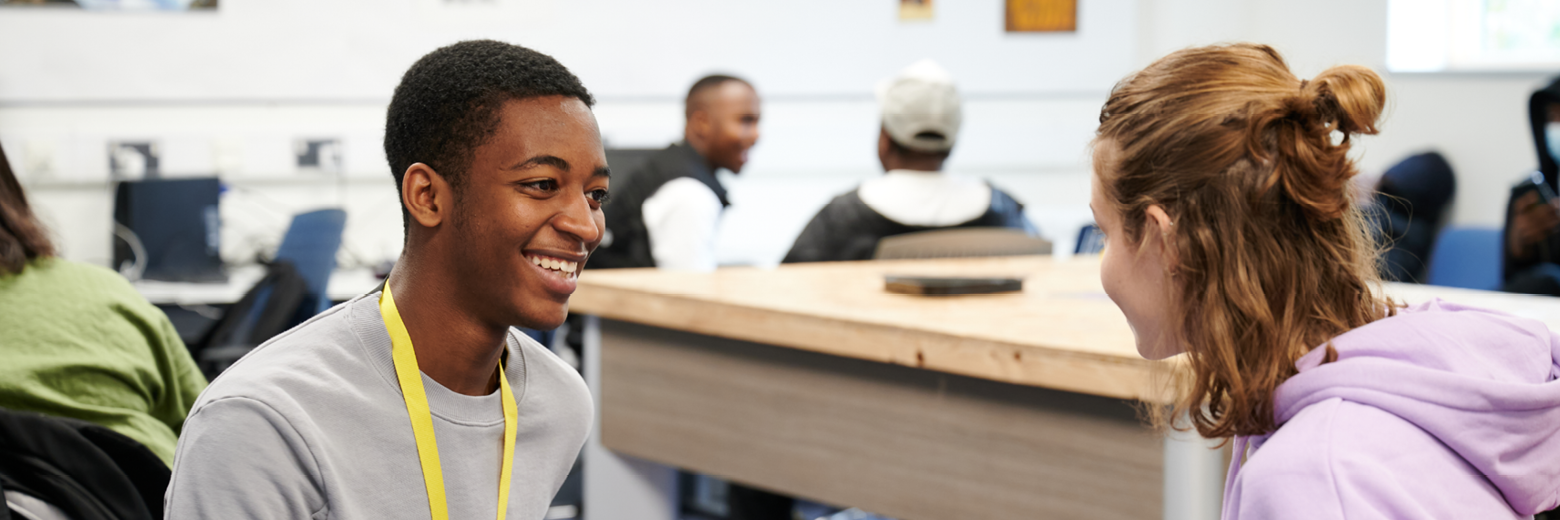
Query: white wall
{"points": [[227, 92]]}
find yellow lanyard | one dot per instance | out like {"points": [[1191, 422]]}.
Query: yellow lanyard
{"points": [[422, 419]]}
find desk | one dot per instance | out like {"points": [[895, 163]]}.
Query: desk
{"points": [[345, 284], [811, 380]]}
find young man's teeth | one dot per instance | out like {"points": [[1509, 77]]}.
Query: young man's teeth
{"points": [[556, 265]]}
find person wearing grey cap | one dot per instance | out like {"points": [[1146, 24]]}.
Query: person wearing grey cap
{"points": [[922, 113]]}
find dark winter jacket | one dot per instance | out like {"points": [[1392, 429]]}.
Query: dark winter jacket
{"points": [[848, 229]]}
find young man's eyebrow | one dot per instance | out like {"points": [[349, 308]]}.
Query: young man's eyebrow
{"points": [[602, 172], [542, 160]]}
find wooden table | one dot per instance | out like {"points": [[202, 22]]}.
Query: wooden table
{"points": [[813, 381]]}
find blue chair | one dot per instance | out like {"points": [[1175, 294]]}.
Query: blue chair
{"points": [[310, 244], [1090, 241], [1466, 257], [293, 290]]}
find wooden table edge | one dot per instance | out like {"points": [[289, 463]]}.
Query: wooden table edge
{"points": [[704, 316]]}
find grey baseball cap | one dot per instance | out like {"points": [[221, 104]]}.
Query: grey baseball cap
{"points": [[921, 107]]}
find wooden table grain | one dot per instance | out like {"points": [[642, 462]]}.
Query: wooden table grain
{"points": [[1061, 332]]}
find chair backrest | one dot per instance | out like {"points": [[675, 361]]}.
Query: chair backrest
{"points": [[1090, 241], [1467, 257], [961, 242], [310, 244], [624, 161], [84, 470]]}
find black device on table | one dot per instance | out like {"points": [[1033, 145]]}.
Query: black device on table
{"points": [[949, 285]]}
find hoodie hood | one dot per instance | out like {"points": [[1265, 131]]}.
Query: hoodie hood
{"points": [[1538, 116], [1482, 382]]}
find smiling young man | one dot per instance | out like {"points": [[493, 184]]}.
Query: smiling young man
{"points": [[420, 401]]}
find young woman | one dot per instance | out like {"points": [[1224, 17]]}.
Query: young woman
{"points": [[1223, 185], [77, 341]]}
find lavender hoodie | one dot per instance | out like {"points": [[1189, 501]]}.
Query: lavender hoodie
{"points": [[1442, 411]]}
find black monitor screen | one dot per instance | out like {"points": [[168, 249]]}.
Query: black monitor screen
{"points": [[177, 225]]}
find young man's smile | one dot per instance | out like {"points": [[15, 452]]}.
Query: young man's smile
{"points": [[559, 273]]}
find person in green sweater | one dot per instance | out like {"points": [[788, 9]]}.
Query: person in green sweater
{"points": [[77, 341]]}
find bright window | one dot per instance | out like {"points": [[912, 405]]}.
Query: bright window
{"points": [[1473, 35]]}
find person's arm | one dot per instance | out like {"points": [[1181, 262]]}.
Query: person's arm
{"points": [[239, 458], [1532, 221], [682, 219]]}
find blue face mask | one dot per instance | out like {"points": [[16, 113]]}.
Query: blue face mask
{"points": [[1552, 138]]}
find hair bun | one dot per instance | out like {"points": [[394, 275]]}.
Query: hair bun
{"points": [[1349, 98], [1313, 169]]}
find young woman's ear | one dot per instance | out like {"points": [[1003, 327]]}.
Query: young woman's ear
{"points": [[1159, 222]]}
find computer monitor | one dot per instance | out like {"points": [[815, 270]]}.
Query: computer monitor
{"points": [[169, 229]]}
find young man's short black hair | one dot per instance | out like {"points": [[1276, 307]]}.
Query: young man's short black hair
{"points": [[694, 102], [447, 103]]}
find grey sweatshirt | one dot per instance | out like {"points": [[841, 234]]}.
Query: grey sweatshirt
{"points": [[312, 425]]}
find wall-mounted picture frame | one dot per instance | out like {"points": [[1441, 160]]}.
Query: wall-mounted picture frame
{"points": [[915, 10], [119, 5], [1042, 16]]}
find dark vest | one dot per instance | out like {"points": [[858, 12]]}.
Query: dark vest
{"points": [[627, 243], [848, 229]]}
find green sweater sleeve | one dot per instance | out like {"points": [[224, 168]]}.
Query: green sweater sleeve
{"points": [[182, 380]]}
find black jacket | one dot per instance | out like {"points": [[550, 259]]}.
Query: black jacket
{"points": [[848, 229], [1548, 168], [627, 243], [88, 471]]}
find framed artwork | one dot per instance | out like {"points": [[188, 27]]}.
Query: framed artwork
{"points": [[121, 5], [1042, 15], [915, 9]]}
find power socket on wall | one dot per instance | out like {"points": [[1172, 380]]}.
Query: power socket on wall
{"points": [[138, 159], [38, 159], [318, 155]]}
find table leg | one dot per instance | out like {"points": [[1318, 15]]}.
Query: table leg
{"points": [[620, 487], [1194, 477]]}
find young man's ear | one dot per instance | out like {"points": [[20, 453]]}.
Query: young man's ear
{"points": [[1159, 223], [426, 195], [699, 123]]}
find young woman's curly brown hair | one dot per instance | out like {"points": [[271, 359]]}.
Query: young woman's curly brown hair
{"points": [[1272, 255]]}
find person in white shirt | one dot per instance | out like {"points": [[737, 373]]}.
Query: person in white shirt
{"points": [[922, 114], [666, 212]]}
